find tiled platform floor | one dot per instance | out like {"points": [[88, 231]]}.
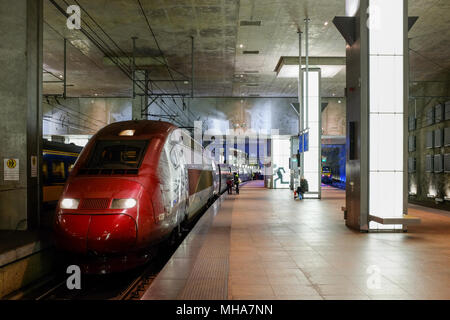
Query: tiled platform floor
{"points": [[285, 249]]}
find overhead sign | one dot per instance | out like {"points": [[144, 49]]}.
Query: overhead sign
{"points": [[11, 169]]}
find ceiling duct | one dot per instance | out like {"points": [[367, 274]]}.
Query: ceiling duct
{"points": [[251, 52], [287, 67], [248, 23]]}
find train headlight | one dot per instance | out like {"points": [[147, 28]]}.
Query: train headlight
{"points": [[70, 203], [123, 203]]}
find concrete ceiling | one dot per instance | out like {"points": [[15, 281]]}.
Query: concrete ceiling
{"points": [[221, 67]]}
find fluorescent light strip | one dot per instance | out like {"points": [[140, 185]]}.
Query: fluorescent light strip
{"points": [[386, 169], [312, 159]]}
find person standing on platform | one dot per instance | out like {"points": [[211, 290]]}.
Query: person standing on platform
{"points": [[230, 186], [236, 182]]}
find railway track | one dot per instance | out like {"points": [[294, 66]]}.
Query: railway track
{"points": [[130, 285]]}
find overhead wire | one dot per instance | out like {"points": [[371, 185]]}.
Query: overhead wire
{"points": [[110, 54]]}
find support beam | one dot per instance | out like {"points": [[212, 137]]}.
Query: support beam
{"points": [[65, 68], [192, 66]]}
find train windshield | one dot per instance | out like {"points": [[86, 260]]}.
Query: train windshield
{"points": [[118, 154]]}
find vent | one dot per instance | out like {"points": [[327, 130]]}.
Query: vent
{"points": [[251, 72], [251, 52], [254, 95], [248, 23], [252, 85], [94, 204]]}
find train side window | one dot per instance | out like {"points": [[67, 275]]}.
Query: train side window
{"points": [[58, 170], [45, 170]]}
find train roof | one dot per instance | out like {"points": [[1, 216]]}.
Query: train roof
{"points": [[139, 129], [59, 146]]}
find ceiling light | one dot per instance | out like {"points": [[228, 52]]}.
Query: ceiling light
{"points": [[340, 101], [351, 7], [287, 67], [326, 23], [186, 82], [241, 46], [291, 71], [61, 76]]}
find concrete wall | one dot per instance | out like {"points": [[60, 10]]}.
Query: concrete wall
{"points": [[83, 115], [255, 113], [428, 95], [334, 117], [20, 113], [88, 115]]}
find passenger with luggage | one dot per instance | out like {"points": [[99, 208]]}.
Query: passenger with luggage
{"points": [[301, 189]]}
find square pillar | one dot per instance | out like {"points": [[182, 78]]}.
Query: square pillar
{"points": [[376, 32], [312, 157], [388, 103], [20, 113]]}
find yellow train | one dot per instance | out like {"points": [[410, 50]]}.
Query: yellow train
{"points": [[58, 161]]}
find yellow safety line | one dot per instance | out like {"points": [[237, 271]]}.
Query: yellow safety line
{"points": [[60, 153]]}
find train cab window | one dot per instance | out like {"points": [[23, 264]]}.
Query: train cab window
{"points": [[119, 154], [70, 167], [58, 169]]}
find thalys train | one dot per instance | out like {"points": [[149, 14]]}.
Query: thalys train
{"points": [[134, 185]]}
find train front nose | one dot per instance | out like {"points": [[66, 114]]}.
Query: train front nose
{"points": [[96, 218], [99, 234]]}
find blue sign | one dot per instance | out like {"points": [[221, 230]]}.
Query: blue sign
{"points": [[306, 142], [300, 143], [303, 143]]}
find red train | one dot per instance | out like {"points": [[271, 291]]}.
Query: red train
{"points": [[134, 185]]}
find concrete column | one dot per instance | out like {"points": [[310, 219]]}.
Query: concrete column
{"points": [[21, 111]]}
